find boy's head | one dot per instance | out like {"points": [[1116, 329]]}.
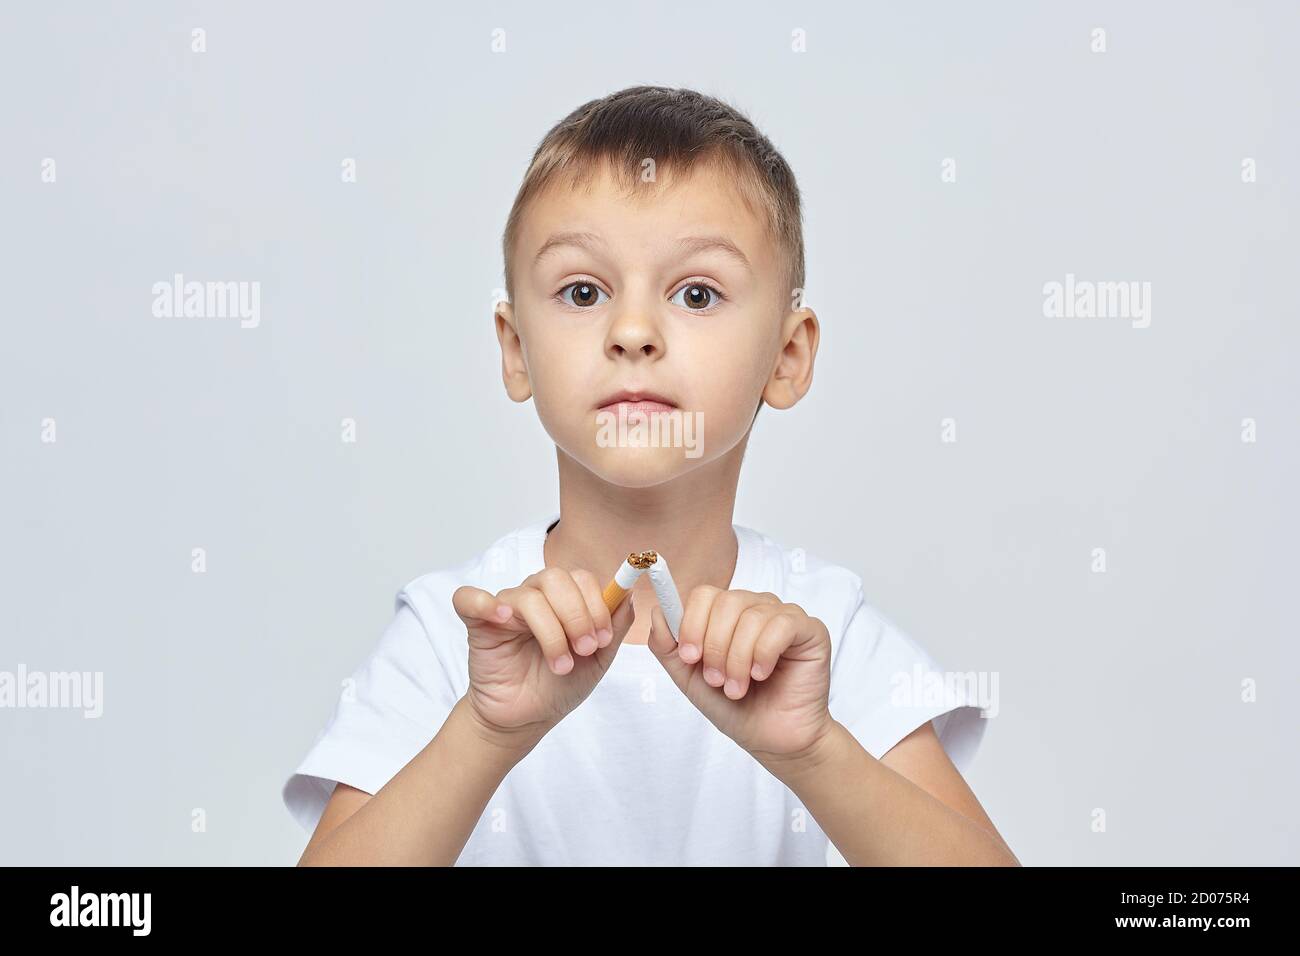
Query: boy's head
{"points": [[655, 246]]}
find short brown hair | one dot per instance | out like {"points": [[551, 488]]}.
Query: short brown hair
{"points": [[680, 130]]}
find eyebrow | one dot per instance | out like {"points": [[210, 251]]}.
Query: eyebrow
{"points": [[583, 240], [688, 245]]}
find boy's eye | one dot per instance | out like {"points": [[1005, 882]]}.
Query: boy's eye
{"points": [[582, 294], [697, 296], [694, 296]]}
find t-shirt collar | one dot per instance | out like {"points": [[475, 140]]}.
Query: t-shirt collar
{"points": [[532, 539]]}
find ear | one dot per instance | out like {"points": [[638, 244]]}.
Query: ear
{"points": [[792, 376], [514, 372]]}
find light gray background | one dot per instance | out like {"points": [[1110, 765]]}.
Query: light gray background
{"points": [[1119, 691]]}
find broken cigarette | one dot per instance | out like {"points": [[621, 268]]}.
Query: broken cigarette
{"points": [[670, 601], [621, 583], [652, 563]]}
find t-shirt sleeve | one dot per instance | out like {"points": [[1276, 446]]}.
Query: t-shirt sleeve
{"points": [[884, 685], [394, 703]]}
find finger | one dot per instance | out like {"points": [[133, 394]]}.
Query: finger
{"points": [[474, 605], [695, 619], [570, 609], [723, 616], [594, 595], [623, 618], [620, 623], [664, 648], [533, 606], [777, 636], [740, 656]]}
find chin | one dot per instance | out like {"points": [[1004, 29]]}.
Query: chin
{"points": [[638, 467]]}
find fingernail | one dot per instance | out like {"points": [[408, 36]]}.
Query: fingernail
{"points": [[713, 676], [563, 665], [732, 688], [689, 652], [604, 636], [504, 612], [756, 672], [585, 644]]}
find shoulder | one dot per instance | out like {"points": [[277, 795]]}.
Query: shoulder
{"points": [[883, 682], [837, 596], [502, 564], [429, 595], [824, 589]]}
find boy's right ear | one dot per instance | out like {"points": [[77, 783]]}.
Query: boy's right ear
{"points": [[514, 372]]}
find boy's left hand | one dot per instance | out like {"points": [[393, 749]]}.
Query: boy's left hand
{"points": [[757, 668]]}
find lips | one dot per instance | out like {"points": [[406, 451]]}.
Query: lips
{"points": [[639, 400]]}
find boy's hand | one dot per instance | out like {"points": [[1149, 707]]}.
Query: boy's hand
{"points": [[537, 650], [757, 668]]}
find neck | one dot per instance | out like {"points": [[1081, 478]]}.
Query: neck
{"points": [[688, 520]]}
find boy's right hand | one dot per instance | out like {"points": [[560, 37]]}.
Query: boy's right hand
{"points": [[537, 650]]}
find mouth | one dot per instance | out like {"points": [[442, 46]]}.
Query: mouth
{"points": [[641, 400]]}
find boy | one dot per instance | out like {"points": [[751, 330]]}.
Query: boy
{"points": [[653, 263]]}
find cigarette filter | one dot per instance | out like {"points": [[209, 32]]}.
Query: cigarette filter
{"points": [[622, 582]]}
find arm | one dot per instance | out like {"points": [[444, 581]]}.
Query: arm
{"points": [[425, 814], [910, 808], [770, 694], [529, 665]]}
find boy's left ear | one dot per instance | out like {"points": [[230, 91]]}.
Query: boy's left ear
{"points": [[792, 376], [514, 373]]}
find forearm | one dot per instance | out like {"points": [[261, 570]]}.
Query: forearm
{"points": [[425, 814], [876, 817]]}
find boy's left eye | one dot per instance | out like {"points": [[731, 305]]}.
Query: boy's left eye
{"points": [[697, 296]]}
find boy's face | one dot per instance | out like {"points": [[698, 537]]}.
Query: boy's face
{"points": [[676, 293]]}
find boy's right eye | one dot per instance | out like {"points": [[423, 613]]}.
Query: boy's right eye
{"points": [[582, 295]]}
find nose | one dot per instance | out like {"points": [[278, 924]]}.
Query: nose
{"points": [[634, 331]]}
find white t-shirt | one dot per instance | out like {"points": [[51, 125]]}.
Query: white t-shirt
{"points": [[636, 775]]}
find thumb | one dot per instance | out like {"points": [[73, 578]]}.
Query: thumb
{"points": [[622, 619], [620, 622], [664, 646]]}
